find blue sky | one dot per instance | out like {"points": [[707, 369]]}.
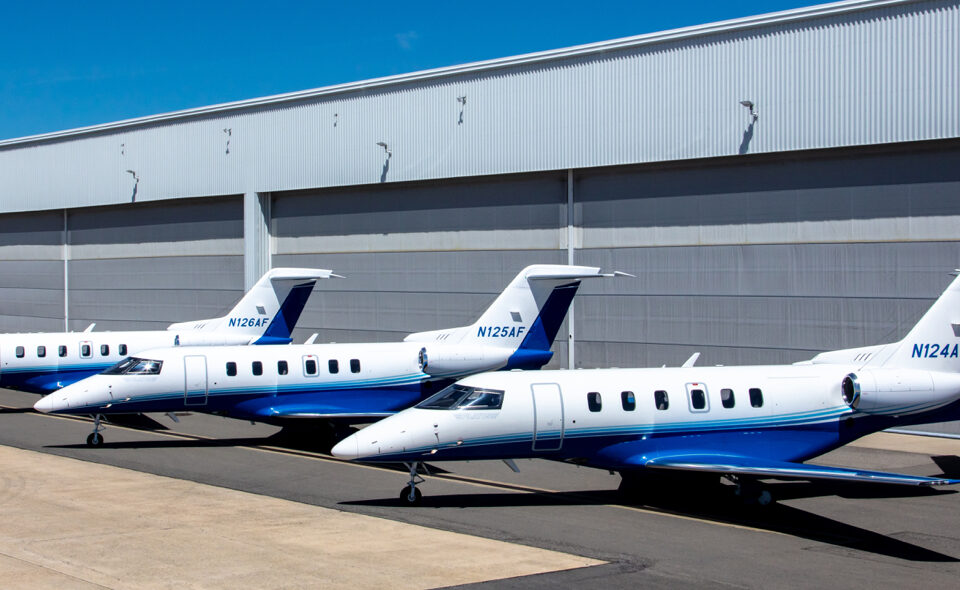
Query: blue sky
{"points": [[71, 64]]}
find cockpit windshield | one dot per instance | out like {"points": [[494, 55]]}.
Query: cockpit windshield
{"points": [[463, 397], [135, 366]]}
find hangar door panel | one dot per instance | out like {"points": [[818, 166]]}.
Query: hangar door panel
{"points": [[195, 380], [547, 417]]}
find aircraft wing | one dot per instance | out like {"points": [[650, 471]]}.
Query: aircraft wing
{"points": [[739, 465]]}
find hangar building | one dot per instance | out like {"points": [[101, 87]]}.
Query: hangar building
{"points": [[781, 185]]}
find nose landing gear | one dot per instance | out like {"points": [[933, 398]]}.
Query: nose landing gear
{"points": [[410, 495], [95, 439]]}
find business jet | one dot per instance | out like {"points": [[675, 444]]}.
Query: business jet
{"points": [[46, 362], [337, 384], [742, 423]]}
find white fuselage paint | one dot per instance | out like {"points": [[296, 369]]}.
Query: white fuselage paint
{"points": [[358, 366], [793, 396]]}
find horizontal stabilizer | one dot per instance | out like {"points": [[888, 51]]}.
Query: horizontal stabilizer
{"points": [[738, 465], [573, 275]]}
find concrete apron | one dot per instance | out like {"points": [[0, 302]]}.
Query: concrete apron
{"points": [[66, 523]]}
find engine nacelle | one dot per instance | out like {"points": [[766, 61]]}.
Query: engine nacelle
{"points": [[440, 361], [898, 391]]}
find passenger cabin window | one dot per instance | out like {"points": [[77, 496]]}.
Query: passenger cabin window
{"points": [[257, 368], [41, 351], [231, 369], [661, 399], [20, 352], [333, 366], [104, 350], [594, 402], [282, 367], [86, 351], [628, 400], [756, 397], [62, 350], [310, 366], [461, 397], [354, 365], [122, 349], [698, 398], [727, 398]]}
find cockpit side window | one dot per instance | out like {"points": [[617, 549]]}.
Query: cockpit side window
{"points": [[482, 399], [135, 366], [145, 367], [445, 399], [121, 367], [462, 397]]}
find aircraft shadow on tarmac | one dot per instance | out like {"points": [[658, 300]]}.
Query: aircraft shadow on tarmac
{"points": [[722, 506], [16, 410], [180, 441], [174, 443], [718, 505]]}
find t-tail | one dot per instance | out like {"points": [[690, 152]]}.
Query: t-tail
{"points": [[934, 342], [267, 313], [515, 332], [913, 377]]}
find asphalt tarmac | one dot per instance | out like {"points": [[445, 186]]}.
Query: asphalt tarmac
{"points": [[816, 535]]}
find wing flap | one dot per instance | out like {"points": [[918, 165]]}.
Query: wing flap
{"points": [[740, 465]]}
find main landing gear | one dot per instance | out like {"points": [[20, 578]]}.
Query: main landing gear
{"points": [[95, 439], [410, 495], [751, 491]]}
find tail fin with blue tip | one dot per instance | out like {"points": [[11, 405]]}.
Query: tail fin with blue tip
{"points": [[524, 320], [268, 312]]}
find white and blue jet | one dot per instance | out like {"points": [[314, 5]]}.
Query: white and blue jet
{"points": [[267, 314], [743, 423], [337, 384]]}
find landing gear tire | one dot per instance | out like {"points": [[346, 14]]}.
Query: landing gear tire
{"points": [[411, 498], [95, 439], [764, 498], [751, 493], [410, 494]]}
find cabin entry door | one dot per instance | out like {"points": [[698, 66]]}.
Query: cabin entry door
{"points": [[195, 380], [547, 417]]}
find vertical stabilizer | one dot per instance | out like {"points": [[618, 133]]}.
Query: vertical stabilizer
{"points": [[524, 319], [934, 342], [269, 311]]}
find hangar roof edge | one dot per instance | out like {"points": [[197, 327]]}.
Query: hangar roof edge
{"points": [[733, 25]]}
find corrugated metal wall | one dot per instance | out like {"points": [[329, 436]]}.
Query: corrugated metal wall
{"points": [[755, 260], [31, 272], [417, 257], [147, 265], [887, 73], [140, 266]]}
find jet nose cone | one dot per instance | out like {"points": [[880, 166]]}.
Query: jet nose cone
{"points": [[46, 404], [348, 448]]}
